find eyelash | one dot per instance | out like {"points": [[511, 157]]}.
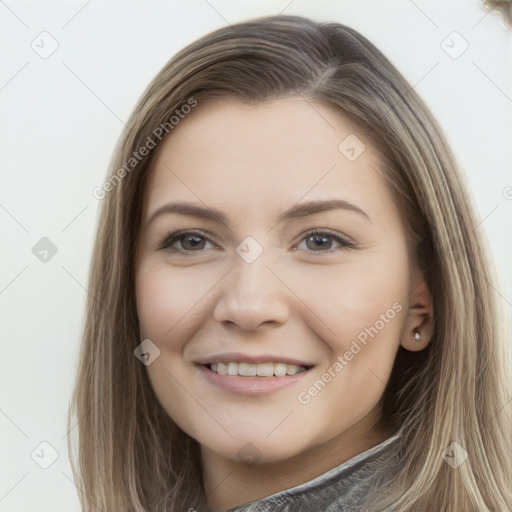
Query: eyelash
{"points": [[168, 241]]}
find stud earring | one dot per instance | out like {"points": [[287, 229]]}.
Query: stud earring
{"points": [[417, 336]]}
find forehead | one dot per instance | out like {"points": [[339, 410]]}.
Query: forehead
{"points": [[258, 159]]}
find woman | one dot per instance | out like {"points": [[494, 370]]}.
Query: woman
{"points": [[290, 306]]}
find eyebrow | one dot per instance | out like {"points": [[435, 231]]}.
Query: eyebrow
{"points": [[297, 211]]}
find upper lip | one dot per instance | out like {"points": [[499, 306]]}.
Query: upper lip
{"points": [[237, 357]]}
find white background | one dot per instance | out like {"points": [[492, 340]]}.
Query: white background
{"points": [[61, 116]]}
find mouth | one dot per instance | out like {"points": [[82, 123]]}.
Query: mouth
{"points": [[260, 376], [264, 370]]}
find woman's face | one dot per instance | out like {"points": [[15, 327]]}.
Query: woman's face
{"points": [[318, 317]]}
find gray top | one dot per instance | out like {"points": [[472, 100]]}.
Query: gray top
{"points": [[341, 489]]}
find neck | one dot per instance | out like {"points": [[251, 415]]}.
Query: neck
{"points": [[230, 483]]}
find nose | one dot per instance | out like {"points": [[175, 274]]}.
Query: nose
{"points": [[251, 296]]}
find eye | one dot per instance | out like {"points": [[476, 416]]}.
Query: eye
{"points": [[185, 241], [196, 241], [322, 241]]}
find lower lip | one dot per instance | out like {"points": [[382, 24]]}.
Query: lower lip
{"points": [[251, 386]]}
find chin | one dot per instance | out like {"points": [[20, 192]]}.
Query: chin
{"points": [[252, 450]]}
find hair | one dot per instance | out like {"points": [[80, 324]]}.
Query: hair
{"points": [[132, 456]]}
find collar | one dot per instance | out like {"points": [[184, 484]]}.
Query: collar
{"points": [[344, 487]]}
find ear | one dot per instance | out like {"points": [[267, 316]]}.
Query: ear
{"points": [[419, 322]]}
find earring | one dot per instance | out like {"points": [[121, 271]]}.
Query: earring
{"points": [[417, 336]]}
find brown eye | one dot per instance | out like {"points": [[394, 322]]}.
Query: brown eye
{"points": [[191, 242], [185, 241]]}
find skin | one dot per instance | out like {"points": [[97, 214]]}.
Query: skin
{"points": [[295, 299]]}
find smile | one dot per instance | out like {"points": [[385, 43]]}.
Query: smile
{"points": [[255, 370], [252, 379]]}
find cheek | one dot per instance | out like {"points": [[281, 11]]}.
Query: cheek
{"points": [[165, 297], [341, 303], [169, 311], [362, 307], [157, 306]]}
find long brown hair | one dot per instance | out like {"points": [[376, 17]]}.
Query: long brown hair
{"points": [[131, 455]]}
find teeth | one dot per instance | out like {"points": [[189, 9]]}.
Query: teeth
{"points": [[265, 369], [246, 369], [260, 369], [280, 369], [222, 369]]}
